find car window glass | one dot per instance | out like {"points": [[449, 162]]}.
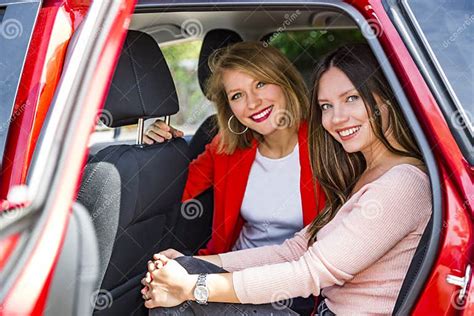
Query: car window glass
{"points": [[5, 110], [448, 27], [16, 25], [305, 47], [194, 107]]}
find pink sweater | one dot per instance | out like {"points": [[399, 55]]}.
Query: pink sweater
{"points": [[360, 258]]}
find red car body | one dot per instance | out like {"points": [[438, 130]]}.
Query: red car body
{"points": [[56, 24]]}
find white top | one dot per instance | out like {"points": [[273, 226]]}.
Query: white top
{"points": [[271, 206]]}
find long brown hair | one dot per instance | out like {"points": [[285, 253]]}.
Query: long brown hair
{"points": [[264, 63], [337, 170]]}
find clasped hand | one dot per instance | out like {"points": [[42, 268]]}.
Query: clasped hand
{"points": [[166, 283]]}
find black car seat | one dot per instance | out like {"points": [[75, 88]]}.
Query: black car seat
{"points": [[133, 191], [213, 40], [200, 228]]}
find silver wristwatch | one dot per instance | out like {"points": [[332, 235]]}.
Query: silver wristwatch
{"points": [[201, 292]]}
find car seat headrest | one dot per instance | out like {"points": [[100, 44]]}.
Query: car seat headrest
{"points": [[142, 86], [213, 40]]}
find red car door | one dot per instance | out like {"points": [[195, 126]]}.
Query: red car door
{"points": [[48, 247], [427, 67]]}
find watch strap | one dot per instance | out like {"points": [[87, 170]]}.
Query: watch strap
{"points": [[201, 282]]}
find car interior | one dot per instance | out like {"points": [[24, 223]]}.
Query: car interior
{"points": [[131, 190]]}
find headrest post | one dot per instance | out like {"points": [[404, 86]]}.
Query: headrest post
{"points": [[168, 120], [141, 128]]}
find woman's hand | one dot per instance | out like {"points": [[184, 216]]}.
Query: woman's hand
{"points": [[170, 284], [169, 253], [151, 266], [159, 132], [156, 264]]}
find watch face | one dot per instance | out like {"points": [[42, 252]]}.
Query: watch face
{"points": [[201, 293]]}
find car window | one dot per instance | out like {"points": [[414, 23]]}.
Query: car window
{"points": [[448, 26], [16, 25], [305, 47], [7, 91], [194, 107]]}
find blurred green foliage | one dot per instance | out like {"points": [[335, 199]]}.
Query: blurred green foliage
{"points": [[305, 48], [182, 59]]}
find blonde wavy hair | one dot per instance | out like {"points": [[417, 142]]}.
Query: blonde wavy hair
{"points": [[266, 64]]}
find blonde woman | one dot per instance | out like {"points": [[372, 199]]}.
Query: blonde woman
{"points": [[358, 250], [258, 164]]}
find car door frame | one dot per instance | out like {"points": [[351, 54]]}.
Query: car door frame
{"points": [[56, 167], [450, 232]]}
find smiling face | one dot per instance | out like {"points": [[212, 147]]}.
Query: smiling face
{"points": [[254, 103], [344, 114]]}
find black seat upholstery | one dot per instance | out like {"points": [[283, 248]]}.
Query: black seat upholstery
{"points": [[213, 40], [200, 228], [203, 136], [133, 191]]}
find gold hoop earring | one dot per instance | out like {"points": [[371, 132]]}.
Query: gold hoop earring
{"points": [[230, 128]]}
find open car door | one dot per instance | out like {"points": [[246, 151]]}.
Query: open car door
{"points": [[48, 248]]}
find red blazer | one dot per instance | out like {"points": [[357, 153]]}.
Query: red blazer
{"points": [[228, 175]]}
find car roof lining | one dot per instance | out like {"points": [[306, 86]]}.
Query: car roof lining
{"points": [[251, 24]]}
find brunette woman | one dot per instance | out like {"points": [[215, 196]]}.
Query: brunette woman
{"points": [[258, 164]]}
